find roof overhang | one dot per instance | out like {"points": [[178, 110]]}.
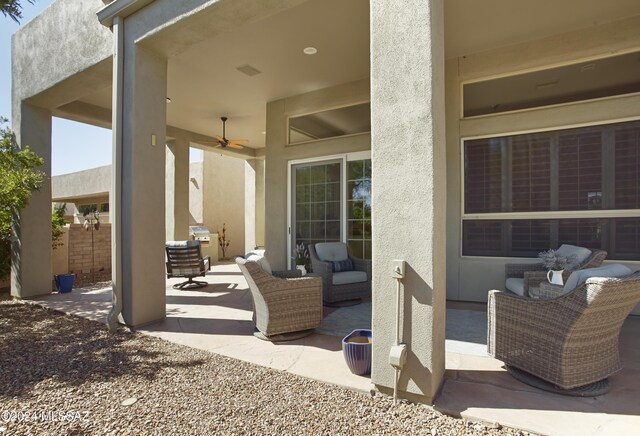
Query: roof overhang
{"points": [[120, 8]]}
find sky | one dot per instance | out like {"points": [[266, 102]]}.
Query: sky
{"points": [[75, 146]]}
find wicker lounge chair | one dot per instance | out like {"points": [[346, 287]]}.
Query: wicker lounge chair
{"points": [[184, 259], [344, 285], [571, 341], [284, 308], [534, 273]]}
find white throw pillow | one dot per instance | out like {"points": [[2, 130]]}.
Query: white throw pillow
{"points": [[580, 276], [261, 261], [576, 255]]}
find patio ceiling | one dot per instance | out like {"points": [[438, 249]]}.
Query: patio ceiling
{"points": [[204, 83]]}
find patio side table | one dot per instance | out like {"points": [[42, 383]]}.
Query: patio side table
{"points": [[546, 291]]}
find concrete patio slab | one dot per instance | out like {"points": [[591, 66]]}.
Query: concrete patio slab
{"points": [[217, 319], [478, 388]]}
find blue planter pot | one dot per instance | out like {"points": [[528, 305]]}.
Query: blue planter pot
{"points": [[356, 348], [64, 282]]}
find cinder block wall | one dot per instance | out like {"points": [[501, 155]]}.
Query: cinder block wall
{"points": [[80, 258]]}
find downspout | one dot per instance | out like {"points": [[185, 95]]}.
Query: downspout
{"points": [[115, 314]]}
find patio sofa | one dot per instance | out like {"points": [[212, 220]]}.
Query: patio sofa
{"points": [[286, 305]]}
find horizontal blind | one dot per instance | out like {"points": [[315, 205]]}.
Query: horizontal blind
{"points": [[627, 164], [580, 171], [531, 170], [483, 176]]}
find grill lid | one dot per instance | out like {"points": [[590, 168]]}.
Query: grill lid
{"points": [[200, 233]]}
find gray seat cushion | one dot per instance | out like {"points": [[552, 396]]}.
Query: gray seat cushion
{"points": [[348, 277], [331, 251], [580, 276], [515, 285]]}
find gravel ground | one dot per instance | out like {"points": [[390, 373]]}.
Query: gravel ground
{"points": [[66, 375]]}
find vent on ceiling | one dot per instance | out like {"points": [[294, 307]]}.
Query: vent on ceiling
{"points": [[248, 70]]}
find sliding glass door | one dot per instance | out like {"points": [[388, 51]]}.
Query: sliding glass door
{"points": [[316, 203], [330, 202]]}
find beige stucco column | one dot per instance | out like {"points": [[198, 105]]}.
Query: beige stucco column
{"points": [[409, 190], [139, 129], [260, 211], [177, 190], [31, 251]]}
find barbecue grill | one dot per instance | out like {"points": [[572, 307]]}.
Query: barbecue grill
{"points": [[200, 233]]}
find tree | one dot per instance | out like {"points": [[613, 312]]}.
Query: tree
{"points": [[18, 180], [57, 224], [12, 9]]}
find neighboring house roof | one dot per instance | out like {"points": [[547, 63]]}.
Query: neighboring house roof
{"points": [[88, 183]]}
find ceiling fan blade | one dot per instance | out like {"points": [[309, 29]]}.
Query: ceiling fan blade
{"points": [[232, 145], [220, 138], [239, 141]]}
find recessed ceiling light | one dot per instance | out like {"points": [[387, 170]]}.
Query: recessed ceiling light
{"points": [[310, 50], [168, 100]]}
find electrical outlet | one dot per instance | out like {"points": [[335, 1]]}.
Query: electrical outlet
{"points": [[398, 355], [398, 269]]}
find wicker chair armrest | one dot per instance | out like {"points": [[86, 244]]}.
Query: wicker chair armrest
{"points": [[546, 291], [323, 269], [277, 289], [518, 269], [287, 274], [519, 324], [595, 260], [270, 284], [362, 265], [532, 279]]}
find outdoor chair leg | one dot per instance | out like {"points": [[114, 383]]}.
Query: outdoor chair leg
{"points": [[190, 284]]}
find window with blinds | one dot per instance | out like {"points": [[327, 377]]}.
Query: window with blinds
{"points": [[589, 169]]}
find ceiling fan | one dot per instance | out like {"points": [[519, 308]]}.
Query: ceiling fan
{"points": [[222, 141]]}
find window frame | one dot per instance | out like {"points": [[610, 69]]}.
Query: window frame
{"points": [[534, 69], [344, 158], [324, 109], [566, 214]]}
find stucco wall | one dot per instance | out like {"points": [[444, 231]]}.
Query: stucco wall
{"points": [[224, 198], [80, 184], [195, 193], [469, 278], [64, 40], [278, 154]]}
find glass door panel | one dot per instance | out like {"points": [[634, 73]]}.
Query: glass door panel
{"points": [[317, 203], [359, 208]]}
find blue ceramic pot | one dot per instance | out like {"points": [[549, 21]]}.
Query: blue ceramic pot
{"points": [[356, 348], [64, 282]]}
